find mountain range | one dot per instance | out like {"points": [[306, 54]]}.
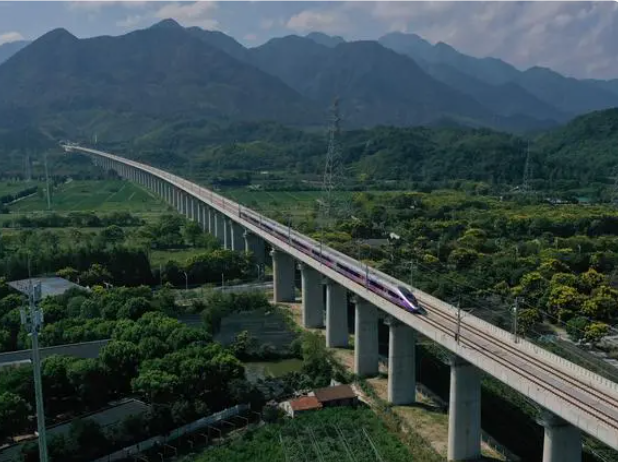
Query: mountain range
{"points": [[134, 84]]}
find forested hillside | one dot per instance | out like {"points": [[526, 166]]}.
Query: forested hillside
{"points": [[580, 155]]}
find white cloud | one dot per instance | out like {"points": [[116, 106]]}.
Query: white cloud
{"points": [[190, 14], [250, 37], [97, 5], [10, 37], [577, 38], [328, 21]]}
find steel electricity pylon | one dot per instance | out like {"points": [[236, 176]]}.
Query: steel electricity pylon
{"points": [[334, 171]]}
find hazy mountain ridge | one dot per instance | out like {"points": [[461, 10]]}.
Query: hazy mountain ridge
{"points": [[9, 49], [167, 72], [566, 95], [162, 72]]}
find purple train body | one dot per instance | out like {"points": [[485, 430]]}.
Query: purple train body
{"points": [[400, 296]]}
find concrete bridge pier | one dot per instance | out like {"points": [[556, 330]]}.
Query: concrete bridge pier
{"points": [[256, 246], [366, 354], [203, 217], [238, 239], [219, 227], [283, 277], [562, 441], [336, 315], [211, 220], [227, 233], [185, 205], [401, 363], [464, 413], [178, 200], [313, 297], [195, 210]]}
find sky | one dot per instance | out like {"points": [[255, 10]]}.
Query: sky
{"points": [[578, 39]]}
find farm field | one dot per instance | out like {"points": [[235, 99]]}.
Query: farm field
{"points": [[99, 196], [329, 435]]}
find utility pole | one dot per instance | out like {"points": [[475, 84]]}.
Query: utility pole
{"points": [[32, 319], [515, 312]]}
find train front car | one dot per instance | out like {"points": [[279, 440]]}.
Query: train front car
{"points": [[409, 300]]}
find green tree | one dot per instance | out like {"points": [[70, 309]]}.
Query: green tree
{"points": [[120, 360], [192, 232], [595, 331], [89, 380], [135, 308], [590, 280], [113, 235], [564, 301], [89, 438], [14, 412], [158, 386], [576, 328], [68, 273], [95, 275]]}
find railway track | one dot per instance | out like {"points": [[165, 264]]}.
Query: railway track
{"points": [[600, 398]]}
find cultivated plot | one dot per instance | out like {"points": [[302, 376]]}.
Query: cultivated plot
{"points": [[100, 196]]}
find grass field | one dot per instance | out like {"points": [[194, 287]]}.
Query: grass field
{"points": [[296, 203], [99, 196], [11, 187]]}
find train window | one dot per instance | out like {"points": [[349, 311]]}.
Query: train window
{"points": [[406, 293]]}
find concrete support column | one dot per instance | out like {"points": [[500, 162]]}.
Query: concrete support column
{"points": [[256, 246], [183, 203], [203, 217], [401, 363], [313, 297], [366, 353], [238, 238], [189, 212], [195, 210], [178, 199], [211, 220], [562, 441], [219, 226], [464, 413], [336, 315], [283, 277], [227, 233]]}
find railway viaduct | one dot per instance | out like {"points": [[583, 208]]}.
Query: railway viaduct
{"points": [[574, 399]]}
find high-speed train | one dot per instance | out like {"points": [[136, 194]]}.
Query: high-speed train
{"points": [[401, 296]]}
